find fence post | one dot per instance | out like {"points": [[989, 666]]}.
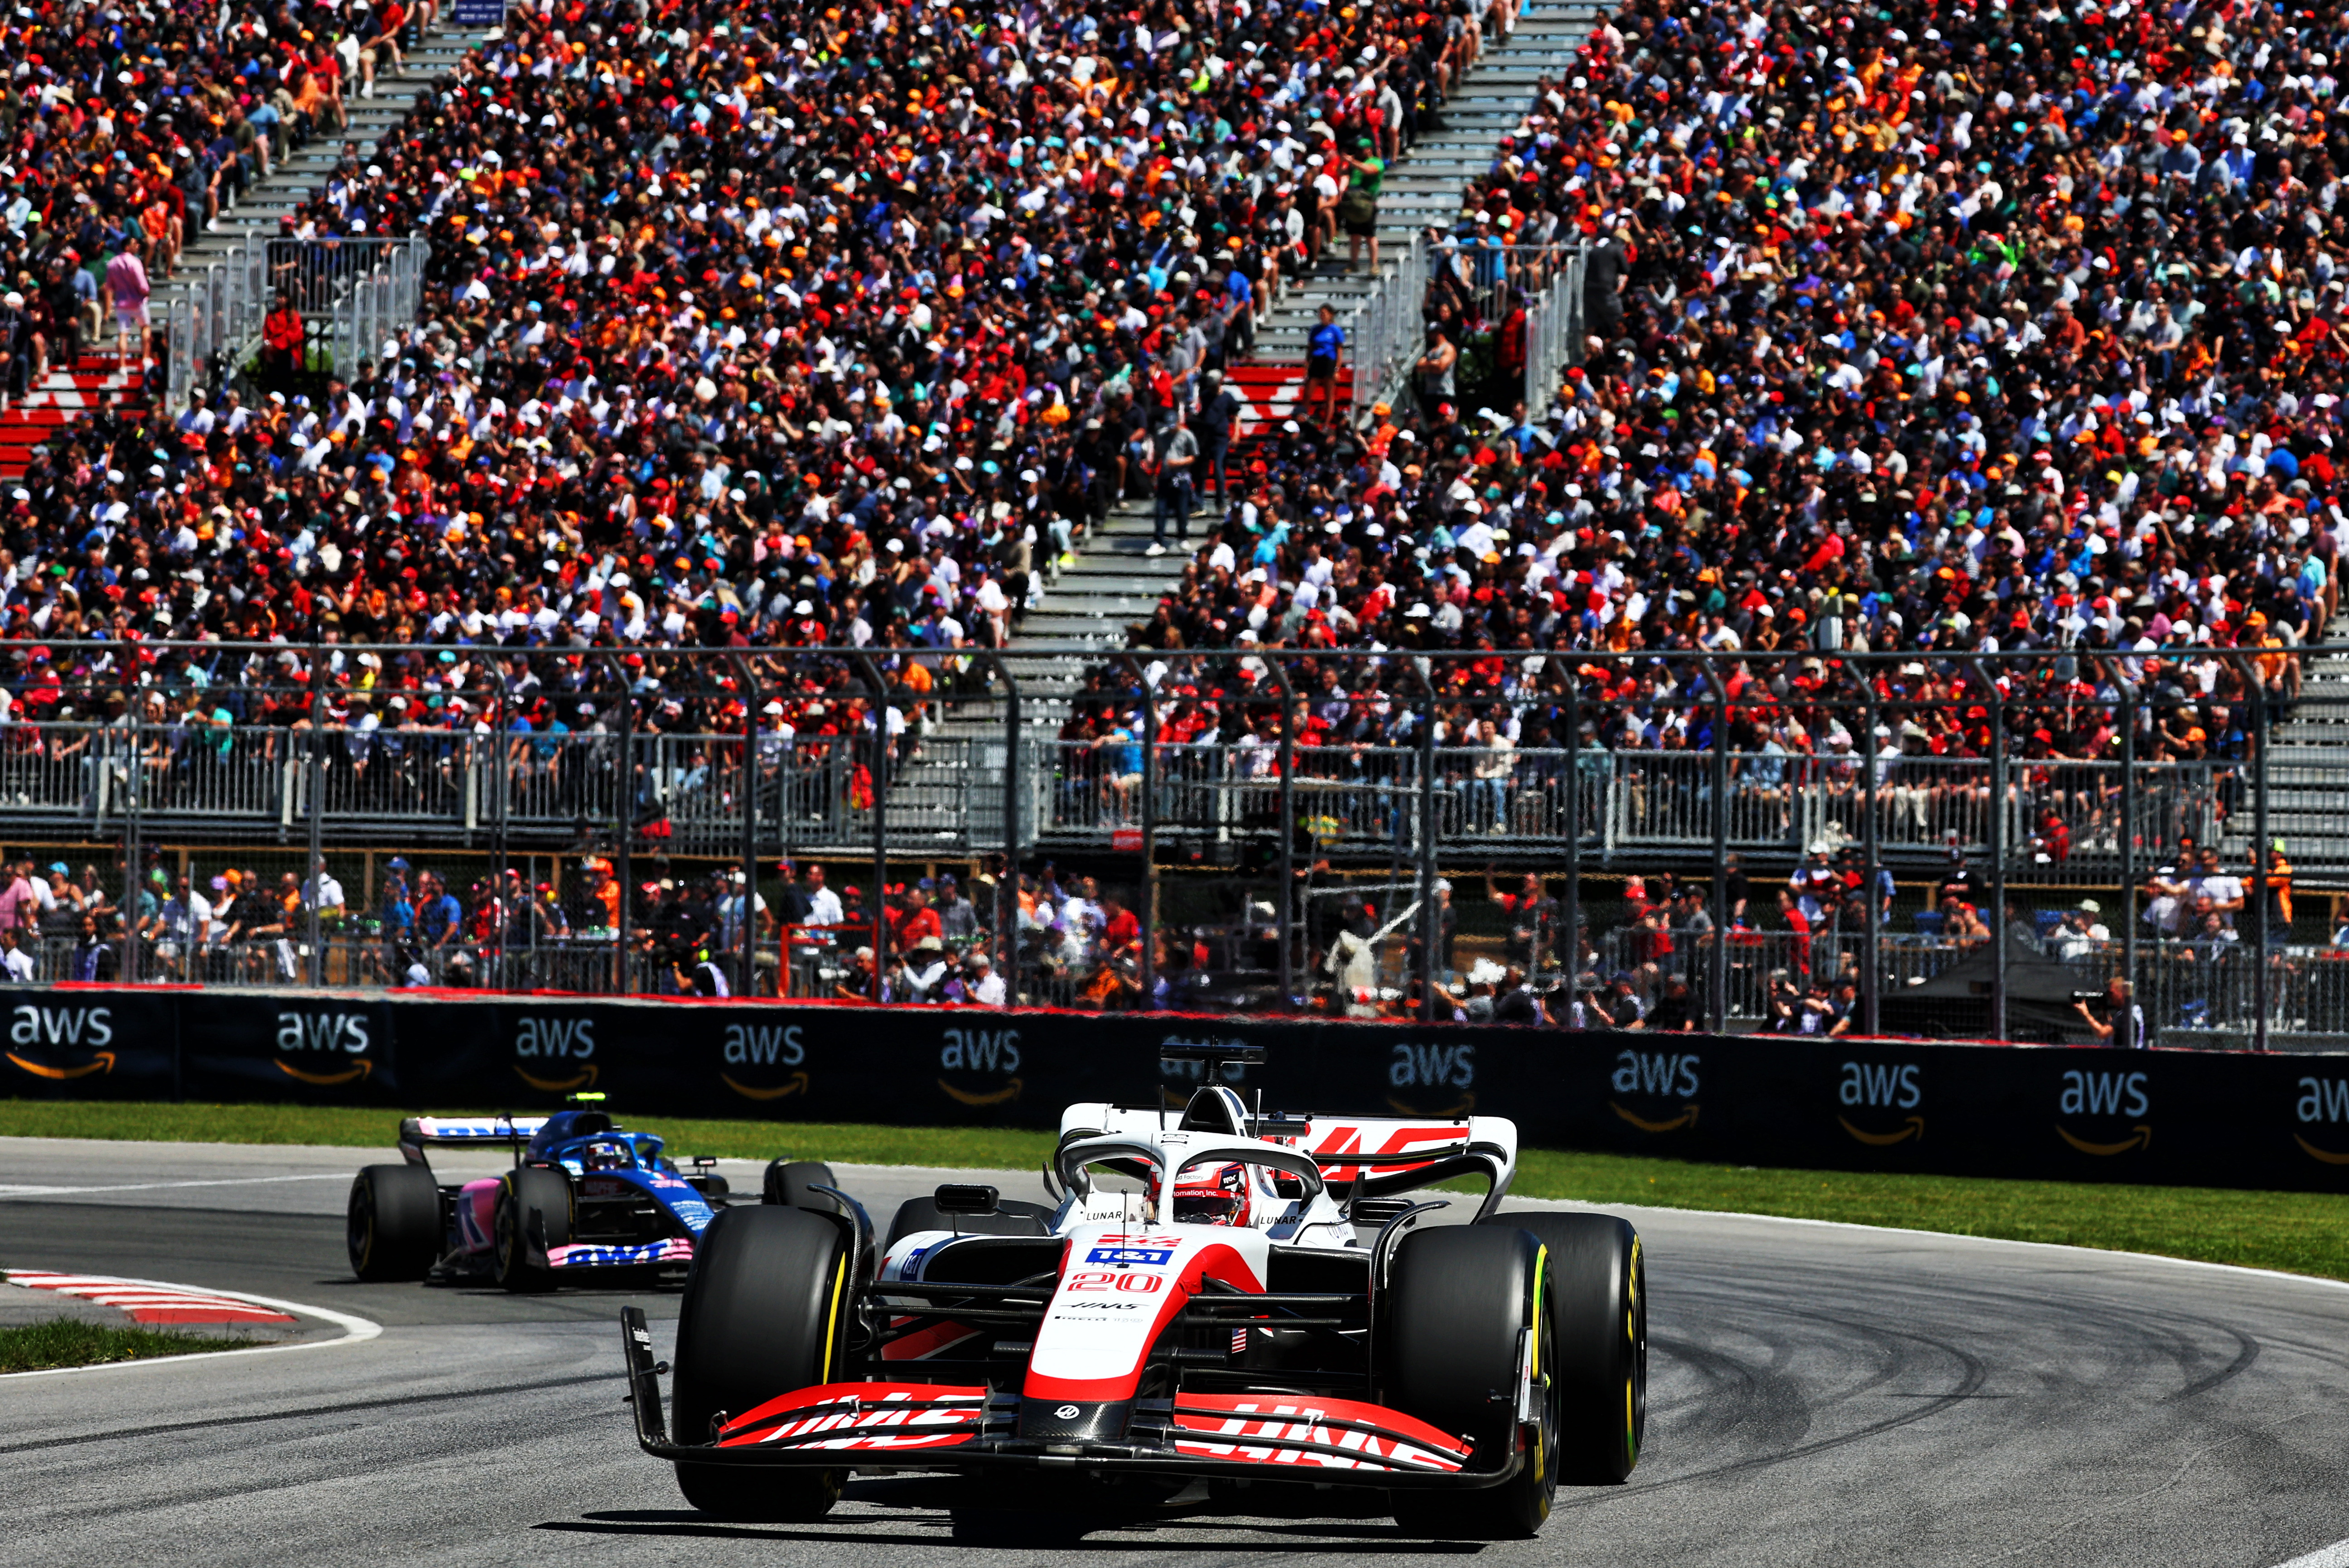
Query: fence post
{"points": [[880, 906], [1719, 967], [2127, 1019], [1284, 905], [315, 877], [1149, 912], [1007, 889], [1872, 855], [750, 945], [2262, 716], [1994, 831], [134, 880], [1431, 925], [503, 773], [625, 811], [1573, 911]]}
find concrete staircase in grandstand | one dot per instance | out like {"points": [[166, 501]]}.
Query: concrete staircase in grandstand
{"points": [[95, 380], [1113, 581]]}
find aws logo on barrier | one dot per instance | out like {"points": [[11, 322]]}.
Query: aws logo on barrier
{"points": [[2322, 1101], [2109, 1096], [769, 1048], [324, 1048], [1657, 1075], [1433, 1072], [553, 1053], [994, 1053], [1883, 1087], [49, 1042]]}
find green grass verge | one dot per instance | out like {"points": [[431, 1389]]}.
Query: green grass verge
{"points": [[2299, 1232], [70, 1342], [359, 1128]]}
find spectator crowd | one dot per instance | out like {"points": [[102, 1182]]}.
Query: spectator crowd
{"points": [[1936, 328]]}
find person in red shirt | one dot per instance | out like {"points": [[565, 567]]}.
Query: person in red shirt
{"points": [[1121, 931], [383, 44], [919, 920]]}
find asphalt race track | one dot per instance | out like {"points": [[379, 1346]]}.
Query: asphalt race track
{"points": [[1819, 1395]]}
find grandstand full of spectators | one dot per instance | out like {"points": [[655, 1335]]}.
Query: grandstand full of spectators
{"points": [[1941, 329]]}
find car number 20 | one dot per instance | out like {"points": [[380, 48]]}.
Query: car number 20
{"points": [[1136, 1284]]}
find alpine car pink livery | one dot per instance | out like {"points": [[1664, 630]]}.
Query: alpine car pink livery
{"points": [[584, 1199], [1232, 1297]]}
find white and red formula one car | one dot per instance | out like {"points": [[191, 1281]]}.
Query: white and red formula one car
{"points": [[1222, 1295]]}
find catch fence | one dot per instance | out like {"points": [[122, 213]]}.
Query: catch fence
{"points": [[2046, 777]]}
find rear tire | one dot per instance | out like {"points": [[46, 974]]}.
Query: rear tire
{"points": [[1458, 1300], [1599, 1307], [1012, 1218], [788, 1181], [529, 1187], [393, 1227], [765, 1313]]}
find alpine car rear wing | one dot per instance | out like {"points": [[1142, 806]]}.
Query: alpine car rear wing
{"points": [[418, 1134]]}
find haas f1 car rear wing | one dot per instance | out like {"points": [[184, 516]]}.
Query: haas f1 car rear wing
{"points": [[1359, 1157]]}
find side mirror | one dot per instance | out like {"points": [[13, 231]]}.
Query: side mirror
{"points": [[956, 1198]]}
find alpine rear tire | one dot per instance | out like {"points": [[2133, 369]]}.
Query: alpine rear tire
{"points": [[1459, 1302], [765, 1312], [393, 1227], [788, 1181], [1599, 1307], [515, 1256]]}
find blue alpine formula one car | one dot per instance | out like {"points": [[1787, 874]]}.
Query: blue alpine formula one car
{"points": [[586, 1196]]}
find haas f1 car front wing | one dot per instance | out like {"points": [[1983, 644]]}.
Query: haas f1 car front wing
{"points": [[933, 1427]]}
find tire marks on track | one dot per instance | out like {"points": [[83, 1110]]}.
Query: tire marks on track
{"points": [[348, 1407]]}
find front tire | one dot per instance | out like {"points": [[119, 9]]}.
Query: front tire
{"points": [[531, 1187], [393, 1227], [1459, 1302], [1598, 1306], [765, 1312]]}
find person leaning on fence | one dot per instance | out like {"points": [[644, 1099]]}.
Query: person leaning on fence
{"points": [[281, 344], [2114, 1017]]}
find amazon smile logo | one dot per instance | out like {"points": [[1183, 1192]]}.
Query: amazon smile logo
{"points": [[797, 1083], [102, 1061], [1687, 1119], [1914, 1128], [2099, 1094]]}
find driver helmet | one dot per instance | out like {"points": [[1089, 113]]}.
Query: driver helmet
{"points": [[1219, 1196], [606, 1157]]}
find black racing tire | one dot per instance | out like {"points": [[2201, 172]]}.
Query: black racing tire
{"points": [[765, 1312], [788, 1181], [1457, 1301], [521, 1189], [1598, 1306], [1012, 1217], [393, 1227]]}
